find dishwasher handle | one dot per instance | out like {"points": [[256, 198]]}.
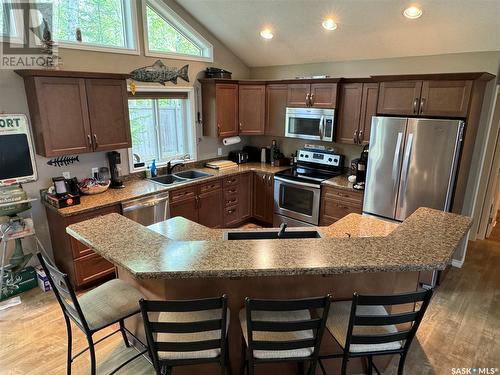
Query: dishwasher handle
{"points": [[147, 210], [137, 204]]}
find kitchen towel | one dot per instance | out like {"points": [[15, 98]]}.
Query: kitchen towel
{"points": [[231, 141]]}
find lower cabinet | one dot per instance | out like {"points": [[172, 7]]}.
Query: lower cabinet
{"points": [[337, 203], [237, 199], [81, 264], [263, 202], [183, 202]]}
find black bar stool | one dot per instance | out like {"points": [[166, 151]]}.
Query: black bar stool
{"points": [[109, 303], [364, 328], [282, 330], [186, 332]]}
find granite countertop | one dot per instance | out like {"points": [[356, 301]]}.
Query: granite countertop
{"points": [[341, 182], [136, 188], [179, 248]]}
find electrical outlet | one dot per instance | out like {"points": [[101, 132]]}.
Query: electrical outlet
{"points": [[95, 172], [219, 151], [66, 175]]}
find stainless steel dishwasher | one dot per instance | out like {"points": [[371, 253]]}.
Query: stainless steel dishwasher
{"points": [[147, 210]]}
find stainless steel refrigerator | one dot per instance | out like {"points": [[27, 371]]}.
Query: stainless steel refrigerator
{"points": [[412, 163]]}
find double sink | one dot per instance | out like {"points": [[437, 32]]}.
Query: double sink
{"points": [[183, 176]]}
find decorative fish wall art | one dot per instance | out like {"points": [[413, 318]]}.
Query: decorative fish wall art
{"points": [[63, 161], [159, 72]]}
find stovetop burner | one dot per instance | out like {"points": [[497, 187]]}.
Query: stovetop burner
{"points": [[306, 174]]}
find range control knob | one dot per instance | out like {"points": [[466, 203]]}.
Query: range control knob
{"points": [[330, 159]]}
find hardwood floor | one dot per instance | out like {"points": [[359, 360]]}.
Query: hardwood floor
{"points": [[461, 328]]}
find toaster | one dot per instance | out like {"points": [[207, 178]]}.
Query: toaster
{"points": [[239, 157]]}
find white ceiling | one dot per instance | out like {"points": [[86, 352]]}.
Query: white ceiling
{"points": [[367, 29]]}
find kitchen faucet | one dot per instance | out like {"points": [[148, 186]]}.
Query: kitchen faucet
{"points": [[170, 167]]}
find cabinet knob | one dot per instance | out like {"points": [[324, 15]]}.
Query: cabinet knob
{"points": [[241, 126], [360, 136], [218, 129], [89, 138], [355, 137], [415, 103], [311, 100], [422, 103], [95, 140], [307, 99]]}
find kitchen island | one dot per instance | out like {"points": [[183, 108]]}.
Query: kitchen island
{"points": [[179, 259]]}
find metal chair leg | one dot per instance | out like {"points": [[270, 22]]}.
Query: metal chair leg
{"points": [[70, 345], [312, 368], [401, 363], [370, 365], [124, 334], [344, 366], [92, 356]]}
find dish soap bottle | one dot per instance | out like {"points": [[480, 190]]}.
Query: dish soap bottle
{"points": [[153, 168]]}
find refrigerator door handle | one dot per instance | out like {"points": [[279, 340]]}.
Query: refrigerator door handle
{"points": [[456, 157], [406, 163], [397, 155]]}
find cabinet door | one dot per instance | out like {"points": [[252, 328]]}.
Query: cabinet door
{"points": [[269, 199], [108, 110], [368, 110], [186, 208], [245, 196], [252, 109], [227, 109], [276, 99], [260, 193], [323, 95], [445, 98], [210, 208], [298, 94], [399, 98], [59, 114], [349, 113]]}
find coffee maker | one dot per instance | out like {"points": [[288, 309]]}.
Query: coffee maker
{"points": [[360, 167], [114, 160]]}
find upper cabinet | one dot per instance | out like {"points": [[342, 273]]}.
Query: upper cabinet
{"points": [[76, 112], [358, 103], [276, 99], [252, 109], [220, 108], [441, 98], [317, 95]]}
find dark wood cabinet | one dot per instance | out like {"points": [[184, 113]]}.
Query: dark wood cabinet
{"points": [[337, 203], [220, 108], [83, 266], [440, 98], [263, 202], [108, 110], [358, 103], [185, 208], [210, 208], [276, 100], [399, 98], [77, 112], [445, 98], [318, 95], [252, 109], [245, 196]]}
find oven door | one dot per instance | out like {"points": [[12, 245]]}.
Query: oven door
{"points": [[309, 123], [297, 200]]}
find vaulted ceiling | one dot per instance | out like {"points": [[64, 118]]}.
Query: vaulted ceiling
{"points": [[367, 29]]}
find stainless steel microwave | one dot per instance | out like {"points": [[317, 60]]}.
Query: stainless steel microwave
{"points": [[310, 123]]}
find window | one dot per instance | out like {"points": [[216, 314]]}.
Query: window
{"points": [[166, 34], [95, 23], [161, 127], [7, 23]]}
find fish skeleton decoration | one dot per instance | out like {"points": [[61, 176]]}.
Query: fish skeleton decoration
{"points": [[63, 161], [159, 72]]}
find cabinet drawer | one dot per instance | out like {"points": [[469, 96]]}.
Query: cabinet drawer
{"points": [[231, 181], [210, 186], [231, 199], [348, 196], [231, 216], [182, 194], [337, 209], [91, 268]]}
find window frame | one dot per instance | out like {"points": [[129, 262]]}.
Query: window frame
{"points": [[190, 120], [132, 34], [183, 27], [15, 22]]}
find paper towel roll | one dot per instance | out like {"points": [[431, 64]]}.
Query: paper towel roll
{"points": [[231, 140]]}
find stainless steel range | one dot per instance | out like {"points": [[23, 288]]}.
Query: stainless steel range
{"points": [[297, 191]]}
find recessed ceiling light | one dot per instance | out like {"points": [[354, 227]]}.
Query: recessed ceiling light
{"points": [[412, 12], [329, 24], [266, 34]]}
